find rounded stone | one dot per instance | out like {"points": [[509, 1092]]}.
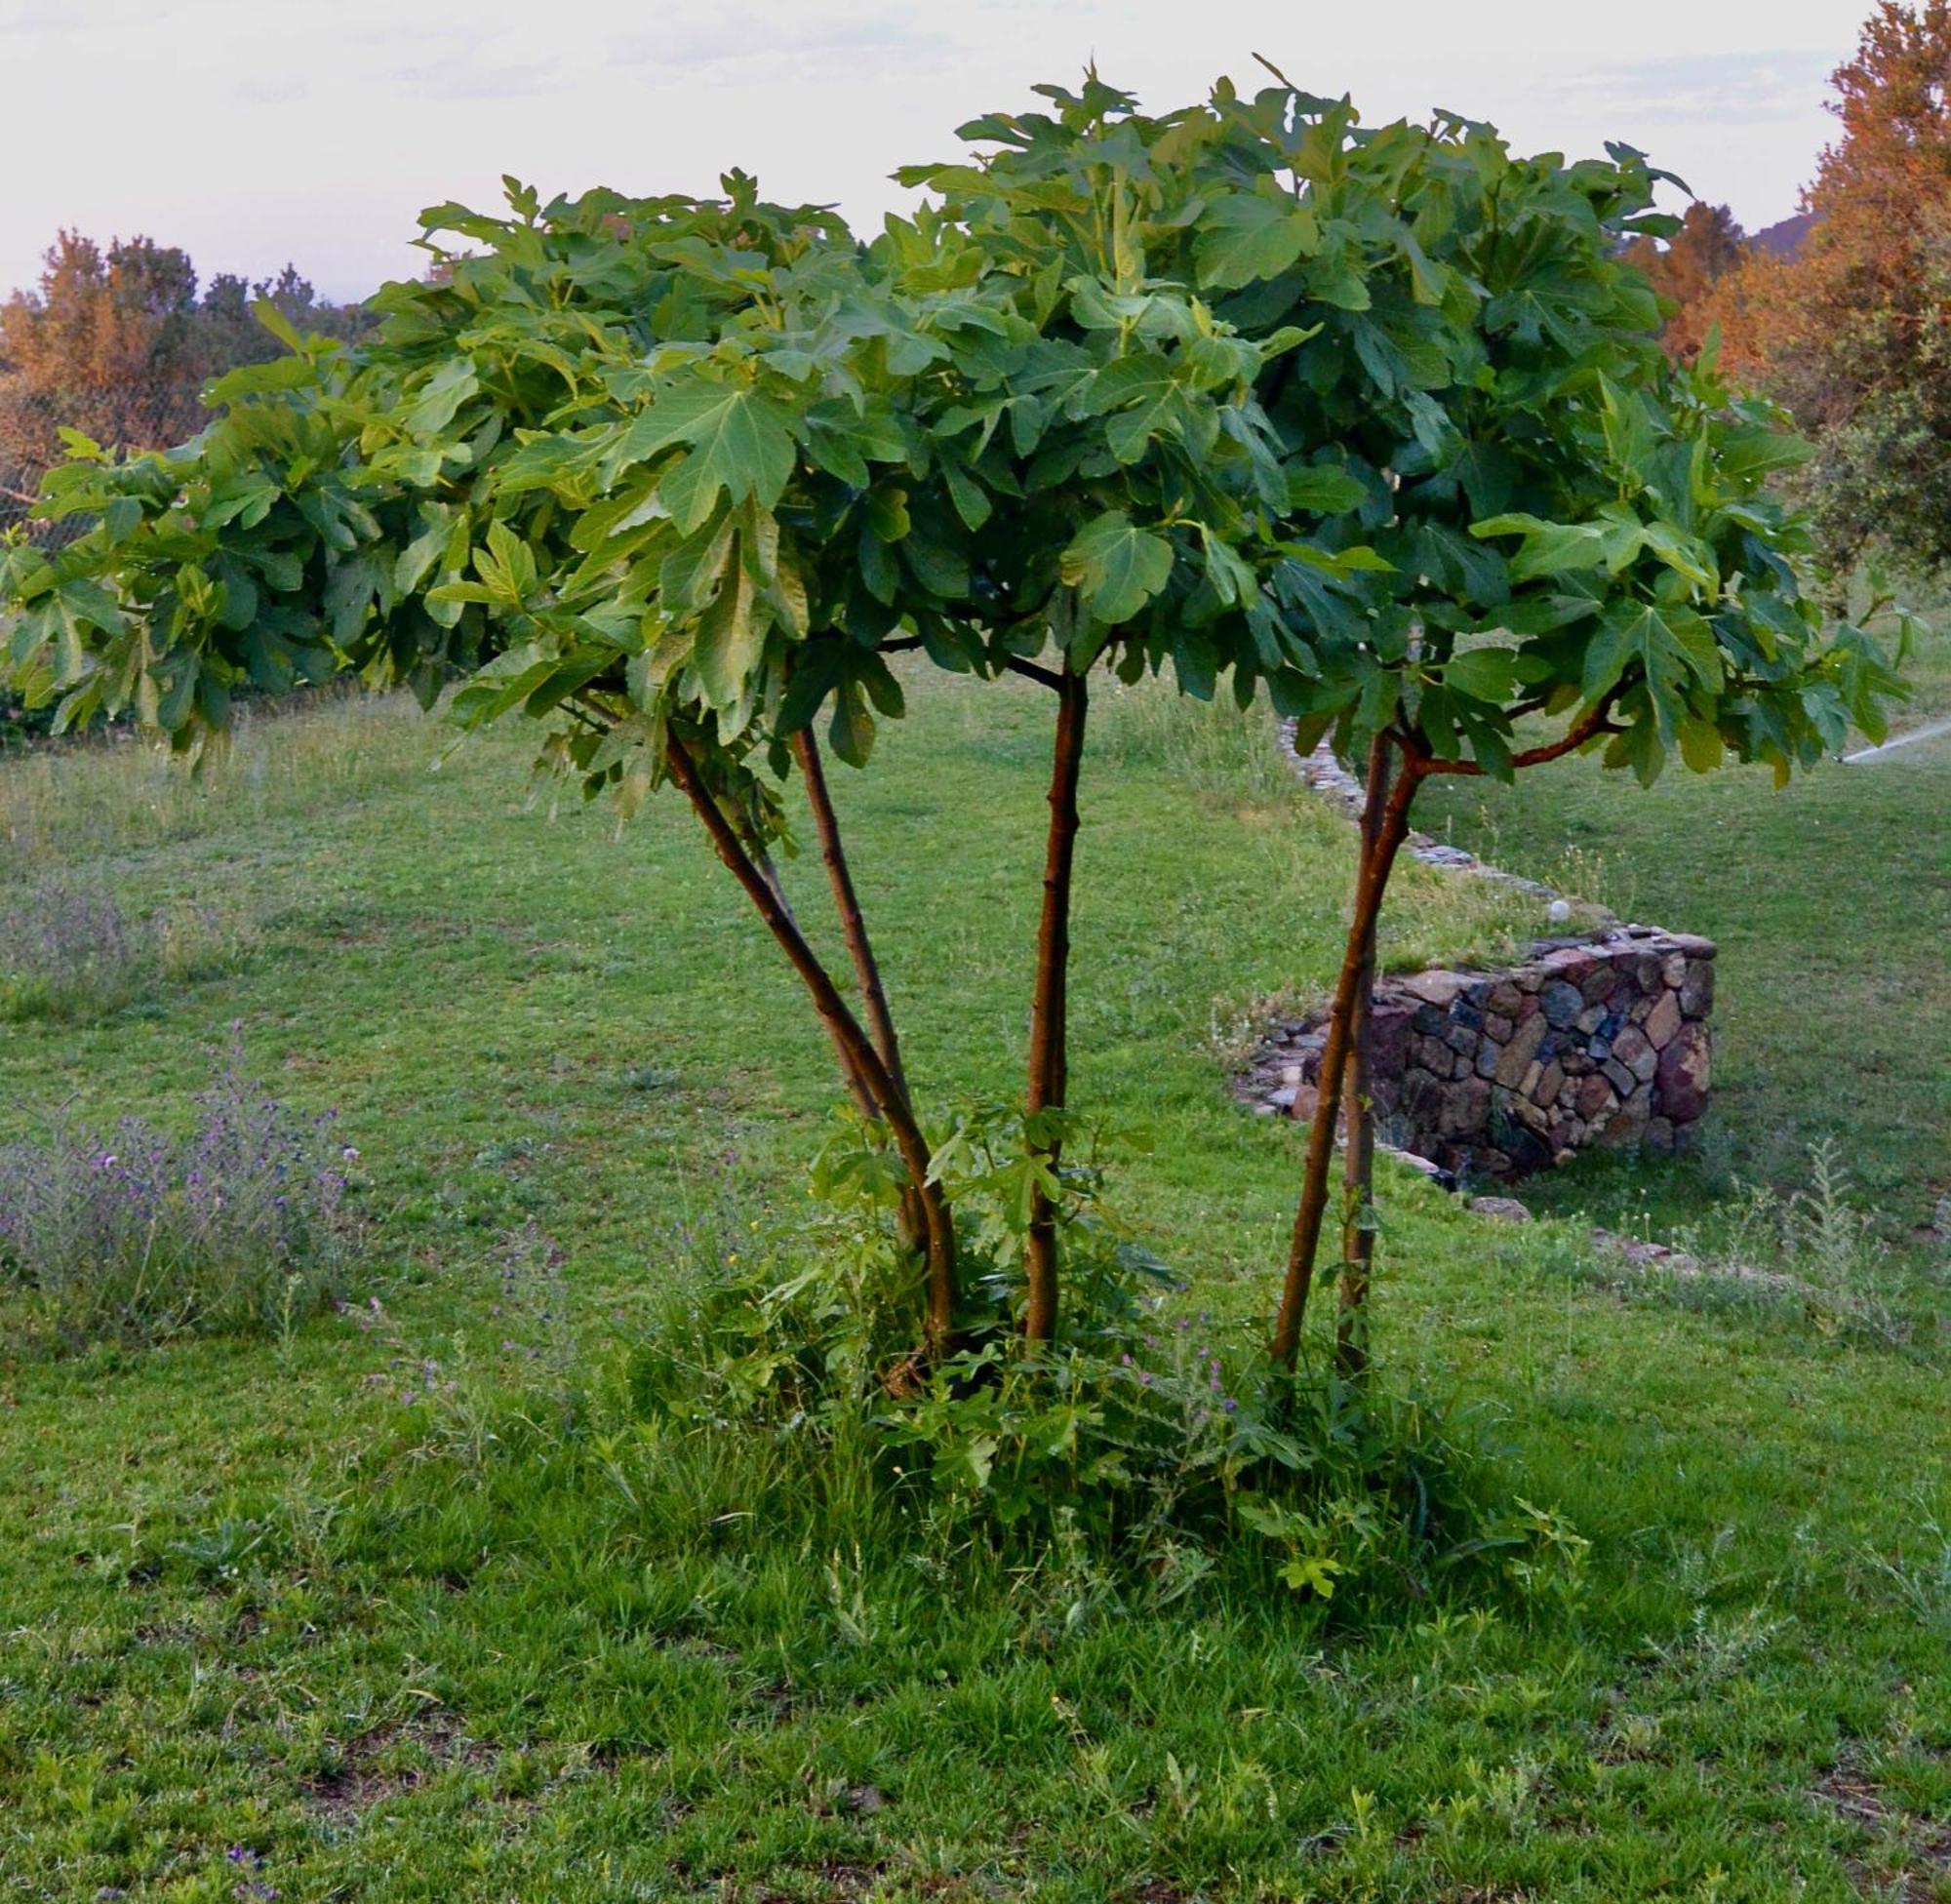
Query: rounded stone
{"points": [[1599, 983], [1464, 1108], [1634, 1050], [1595, 1095], [1697, 988], [1624, 1127], [1681, 1080], [1561, 1003], [1500, 1210]]}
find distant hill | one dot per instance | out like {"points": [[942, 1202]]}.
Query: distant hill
{"points": [[1785, 239]]}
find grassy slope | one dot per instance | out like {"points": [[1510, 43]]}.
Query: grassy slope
{"points": [[468, 1687]]}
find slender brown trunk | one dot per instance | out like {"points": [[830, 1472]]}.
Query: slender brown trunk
{"points": [[856, 1084], [916, 1214], [1048, 1058], [1358, 1161], [853, 925], [1371, 881], [1418, 764], [842, 1026]]}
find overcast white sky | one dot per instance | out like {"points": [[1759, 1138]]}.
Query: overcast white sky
{"points": [[252, 130]]}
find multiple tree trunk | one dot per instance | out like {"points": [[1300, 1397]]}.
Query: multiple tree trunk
{"points": [[1385, 825], [870, 1057], [861, 1061], [1344, 1084]]}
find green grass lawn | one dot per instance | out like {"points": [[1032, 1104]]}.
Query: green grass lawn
{"points": [[250, 1601]]}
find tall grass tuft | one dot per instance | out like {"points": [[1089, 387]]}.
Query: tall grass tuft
{"points": [[1226, 753], [1823, 1249], [125, 795], [138, 1236], [70, 951], [1215, 748]]}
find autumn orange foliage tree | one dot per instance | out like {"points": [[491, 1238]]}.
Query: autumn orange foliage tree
{"points": [[1685, 270], [1854, 332], [116, 341]]}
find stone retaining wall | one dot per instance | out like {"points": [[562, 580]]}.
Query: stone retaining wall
{"points": [[1497, 1073]]}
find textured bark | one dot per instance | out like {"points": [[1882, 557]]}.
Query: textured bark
{"points": [[842, 1027], [1370, 883], [1048, 1057], [1358, 1161]]}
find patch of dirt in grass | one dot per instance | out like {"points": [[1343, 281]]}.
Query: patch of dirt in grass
{"points": [[831, 1884], [840, 1799], [839, 1881], [1922, 1870], [390, 1761]]}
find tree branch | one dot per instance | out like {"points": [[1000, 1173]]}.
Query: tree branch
{"points": [[922, 1206], [847, 902], [1030, 671], [1593, 723]]}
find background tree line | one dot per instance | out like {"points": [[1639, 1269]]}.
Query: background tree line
{"points": [[1844, 314], [118, 341]]}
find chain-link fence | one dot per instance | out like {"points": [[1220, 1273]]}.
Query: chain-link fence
{"points": [[134, 416]]}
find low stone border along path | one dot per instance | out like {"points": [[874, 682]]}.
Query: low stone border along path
{"points": [[1325, 774]]}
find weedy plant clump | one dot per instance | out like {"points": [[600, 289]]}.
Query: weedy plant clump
{"points": [[1823, 1249], [70, 951], [1148, 1454], [136, 1234]]}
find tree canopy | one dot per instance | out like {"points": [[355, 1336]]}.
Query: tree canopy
{"points": [[1375, 420], [1372, 416], [1501, 499]]}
